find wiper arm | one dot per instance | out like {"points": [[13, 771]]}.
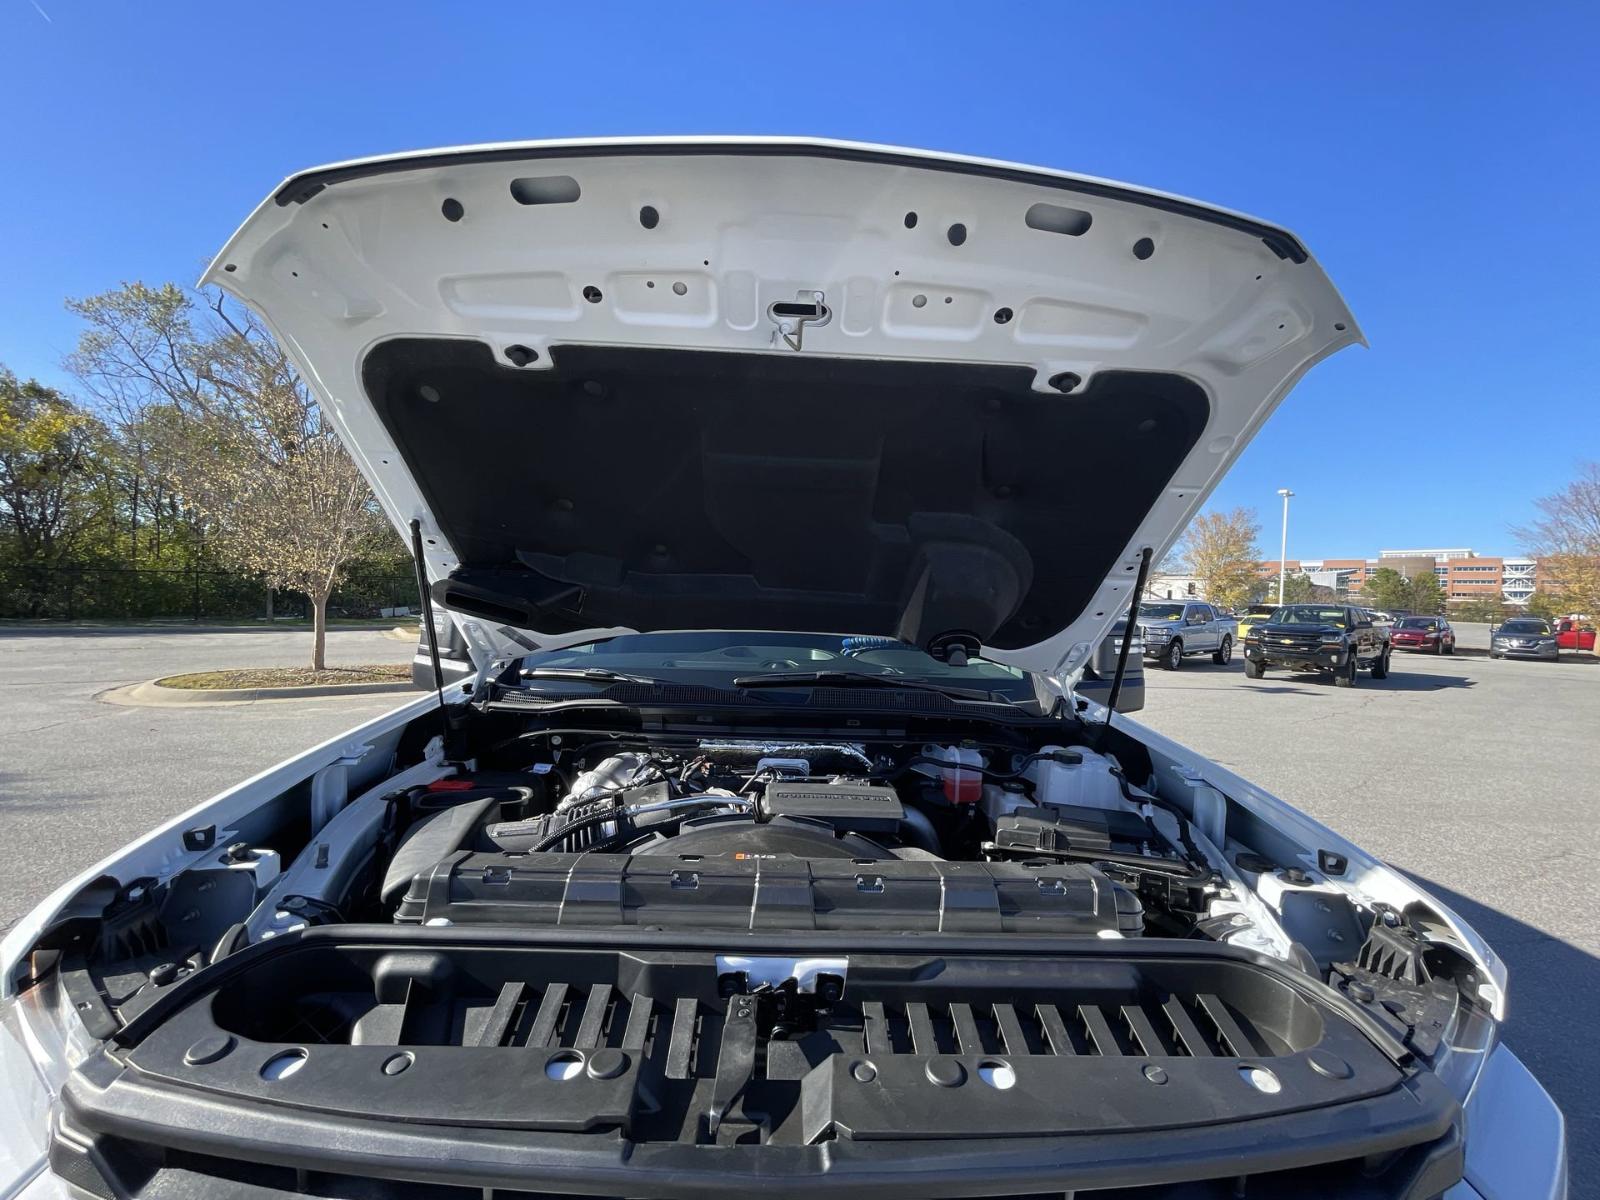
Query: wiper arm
{"points": [[584, 674], [861, 679]]}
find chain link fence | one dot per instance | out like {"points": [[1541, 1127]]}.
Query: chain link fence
{"points": [[90, 593]]}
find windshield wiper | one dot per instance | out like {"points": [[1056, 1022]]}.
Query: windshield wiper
{"points": [[585, 674], [861, 679]]}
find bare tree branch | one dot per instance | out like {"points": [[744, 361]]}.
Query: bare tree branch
{"points": [[240, 436]]}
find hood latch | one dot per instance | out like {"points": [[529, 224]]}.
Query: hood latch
{"points": [[792, 316]]}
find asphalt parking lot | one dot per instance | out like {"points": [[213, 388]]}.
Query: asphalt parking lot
{"points": [[1475, 776], [79, 777]]}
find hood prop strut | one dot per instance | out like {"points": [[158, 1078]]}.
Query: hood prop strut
{"points": [[446, 726], [1127, 641]]}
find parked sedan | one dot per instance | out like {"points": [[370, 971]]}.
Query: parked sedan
{"points": [[1524, 637], [1431, 634]]}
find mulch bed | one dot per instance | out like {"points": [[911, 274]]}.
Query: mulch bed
{"points": [[284, 677]]}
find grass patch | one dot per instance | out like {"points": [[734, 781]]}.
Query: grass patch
{"points": [[287, 677]]}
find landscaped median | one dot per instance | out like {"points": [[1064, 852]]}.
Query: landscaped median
{"points": [[248, 684]]}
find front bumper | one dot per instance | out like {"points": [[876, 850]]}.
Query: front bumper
{"points": [[1516, 1137], [1155, 641], [1516, 1144], [1295, 657], [1538, 653], [898, 1130]]}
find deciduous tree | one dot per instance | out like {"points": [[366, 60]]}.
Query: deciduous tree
{"points": [[1423, 594], [1298, 589], [1389, 589], [49, 470], [1221, 550], [1485, 610], [236, 433], [1566, 537], [1386, 588], [1543, 604]]}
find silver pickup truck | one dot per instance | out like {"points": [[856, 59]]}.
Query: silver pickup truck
{"points": [[1173, 630]]}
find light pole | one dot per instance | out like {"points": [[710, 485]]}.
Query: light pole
{"points": [[1283, 546]]}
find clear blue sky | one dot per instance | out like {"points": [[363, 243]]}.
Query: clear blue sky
{"points": [[1440, 160]]}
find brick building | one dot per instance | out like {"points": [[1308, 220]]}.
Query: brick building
{"points": [[1464, 575]]}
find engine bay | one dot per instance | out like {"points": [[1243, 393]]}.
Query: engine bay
{"points": [[588, 815], [713, 933], [726, 833]]}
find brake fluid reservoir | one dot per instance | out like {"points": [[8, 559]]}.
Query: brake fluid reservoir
{"points": [[1086, 783]]}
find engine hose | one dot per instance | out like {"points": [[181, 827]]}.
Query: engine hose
{"points": [[1196, 855], [917, 829], [1183, 872]]}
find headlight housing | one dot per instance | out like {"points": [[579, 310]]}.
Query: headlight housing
{"points": [[41, 1040]]}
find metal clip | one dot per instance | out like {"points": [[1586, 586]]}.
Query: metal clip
{"points": [[792, 316]]}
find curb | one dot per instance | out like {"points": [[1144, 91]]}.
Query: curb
{"points": [[376, 625], [151, 695]]}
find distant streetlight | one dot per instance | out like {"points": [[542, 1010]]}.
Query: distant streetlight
{"points": [[1283, 547]]}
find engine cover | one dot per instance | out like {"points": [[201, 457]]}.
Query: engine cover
{"points": [[705, 881]]}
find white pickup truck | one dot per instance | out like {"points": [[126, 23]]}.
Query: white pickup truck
{"points": [[1173, 630]]}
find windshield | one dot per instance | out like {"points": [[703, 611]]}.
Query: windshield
{"points": [[1161, 612], [1309, 614], [1526, 625], [1418, 623], [717, 658]]}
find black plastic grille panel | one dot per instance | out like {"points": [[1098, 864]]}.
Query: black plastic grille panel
{"points": [[553, 1067]]}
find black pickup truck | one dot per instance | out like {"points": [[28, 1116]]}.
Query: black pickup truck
{"points": [[1329, 638]]}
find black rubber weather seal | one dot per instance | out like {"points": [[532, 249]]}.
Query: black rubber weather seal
{"points": [[300, 188]]}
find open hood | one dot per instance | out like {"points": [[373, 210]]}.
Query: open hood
{"points": [[782, 384]]}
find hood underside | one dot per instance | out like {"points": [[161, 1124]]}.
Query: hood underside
{"points": [[782, 384]]}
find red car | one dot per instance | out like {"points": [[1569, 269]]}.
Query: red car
{"points": [[1573, 635], [1430, 634]]}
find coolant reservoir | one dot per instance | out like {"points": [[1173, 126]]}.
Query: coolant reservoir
{"points": [[963, 783], [1086, 783]]}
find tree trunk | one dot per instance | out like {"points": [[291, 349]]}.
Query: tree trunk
{"points": [[319, 631], [133, 525]]}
